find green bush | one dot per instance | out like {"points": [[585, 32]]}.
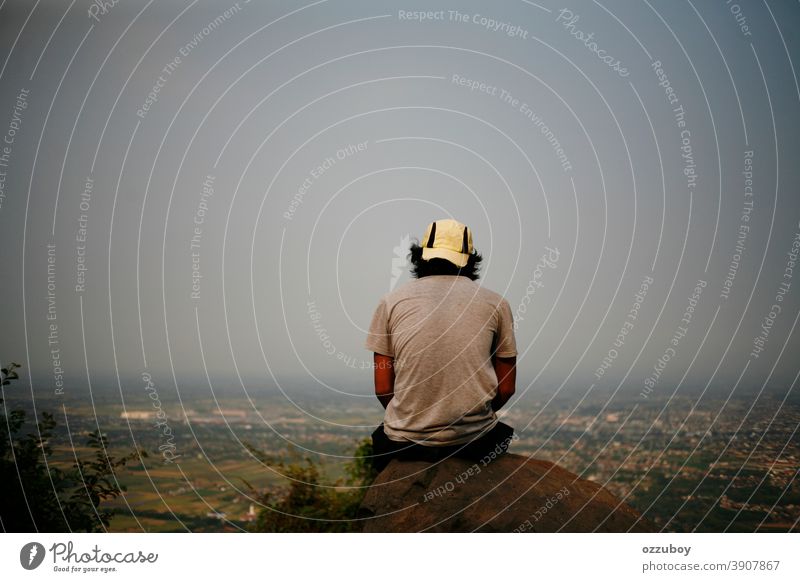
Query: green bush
{"points": [[36, 496], [310, 503]]}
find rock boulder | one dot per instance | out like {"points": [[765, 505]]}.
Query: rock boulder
{"points": [[512, 493]]}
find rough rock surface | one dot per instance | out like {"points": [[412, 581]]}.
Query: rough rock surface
{"points": [[512, 493]]}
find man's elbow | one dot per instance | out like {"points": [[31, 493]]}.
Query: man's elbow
{"points": [[383, 390], [506, 392], [506, 371], [384, 377]]}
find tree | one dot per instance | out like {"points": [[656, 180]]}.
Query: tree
{"points": [[310, 503], [35, 495]]}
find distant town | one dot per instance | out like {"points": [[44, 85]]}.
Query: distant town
{"points": [[710, 465]]}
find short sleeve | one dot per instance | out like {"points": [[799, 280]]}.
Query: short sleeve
{"points": [[505, 340], [378, 338]]}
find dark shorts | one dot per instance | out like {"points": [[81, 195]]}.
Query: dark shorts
{"points": [[495, 441]]}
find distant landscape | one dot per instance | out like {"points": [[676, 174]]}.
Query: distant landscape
{"points": [[710, 466]]}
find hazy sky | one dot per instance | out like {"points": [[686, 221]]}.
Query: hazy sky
{"points": [[230, 187]]}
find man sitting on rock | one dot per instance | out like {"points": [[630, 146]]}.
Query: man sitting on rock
{"points": [[444, 356]]}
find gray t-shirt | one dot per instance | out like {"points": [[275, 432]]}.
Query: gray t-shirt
{"points": [[441, 330]]}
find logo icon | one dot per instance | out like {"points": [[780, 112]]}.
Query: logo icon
{"points": [[31, 555], [399, 260]]}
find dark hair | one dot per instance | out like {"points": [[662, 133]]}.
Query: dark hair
{"points": [[422, 268]]}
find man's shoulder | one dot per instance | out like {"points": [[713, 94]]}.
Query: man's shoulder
{"points": [[402, 290], [490, 296], [398, 294], [422, 285]]}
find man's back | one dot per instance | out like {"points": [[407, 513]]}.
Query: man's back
{"points": [[440, 330]]}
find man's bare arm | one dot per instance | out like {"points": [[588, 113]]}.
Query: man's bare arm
{"points": [[384, 378], [506, 370]]}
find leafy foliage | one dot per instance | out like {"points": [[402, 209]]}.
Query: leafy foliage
{"points": [[310, 503], [36, 496]]}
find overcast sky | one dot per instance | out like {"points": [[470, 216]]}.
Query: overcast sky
{"points": [[228, 188]]}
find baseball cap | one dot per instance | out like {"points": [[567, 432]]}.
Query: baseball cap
{"points": [[447, 239]]}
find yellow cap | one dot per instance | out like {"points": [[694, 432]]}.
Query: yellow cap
{"points": [[447, 239]]}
